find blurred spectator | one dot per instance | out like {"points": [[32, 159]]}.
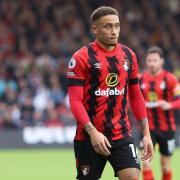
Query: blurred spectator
{"points": [[56, 92], [37, 39], [52, 118], [27, 111]]}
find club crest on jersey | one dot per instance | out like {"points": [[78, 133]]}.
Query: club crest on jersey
{"points": [[85, 170], [72, 63], [163, 85], [126, 64], [143, 86]]}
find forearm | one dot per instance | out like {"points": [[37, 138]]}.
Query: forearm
{"points": [[79, 112], [89, 127], [144, 126], [137, 102], [76, 105], [148, 151], [176, 104]]}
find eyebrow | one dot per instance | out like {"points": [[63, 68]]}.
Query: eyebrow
{"points": [[112, 23]]}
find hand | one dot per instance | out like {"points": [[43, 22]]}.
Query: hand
{"points": [[164, 105], [148, 150], [100, 143]]}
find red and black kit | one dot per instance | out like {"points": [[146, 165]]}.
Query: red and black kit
{"points": [[164, 86], [105, 76]]}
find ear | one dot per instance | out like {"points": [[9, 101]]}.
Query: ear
{"points": [[94, 29], [162, 61]]}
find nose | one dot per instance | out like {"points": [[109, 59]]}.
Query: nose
{"points": [[113, 31]]}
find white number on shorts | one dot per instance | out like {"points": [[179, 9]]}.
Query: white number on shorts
{"points": [[171, 145], [134, 150]]}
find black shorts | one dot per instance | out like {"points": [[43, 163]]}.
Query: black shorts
{"points": [[90, 165], [165, 140]]}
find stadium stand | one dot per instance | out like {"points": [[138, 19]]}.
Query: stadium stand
{"points": [[37, 39]]}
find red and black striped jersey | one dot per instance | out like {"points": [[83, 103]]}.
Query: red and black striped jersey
{"points": [[163, 86], [105, 76]]}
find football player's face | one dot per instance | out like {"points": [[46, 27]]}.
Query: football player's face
{"points": [[154, 62], [107, 30]]}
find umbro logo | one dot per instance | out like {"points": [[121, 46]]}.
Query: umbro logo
{"points": [[97, 65]]}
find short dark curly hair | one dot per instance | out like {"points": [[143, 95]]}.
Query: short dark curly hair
{"points": [[103, 11]]}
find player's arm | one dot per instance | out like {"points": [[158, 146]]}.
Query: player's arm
{"points": [[165, 105], [98, 140], [76, 78], [139, 109], [78, 109], [175, 88]]}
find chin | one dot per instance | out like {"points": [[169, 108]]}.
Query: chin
{"points": [[112, 44], [153, 72]]}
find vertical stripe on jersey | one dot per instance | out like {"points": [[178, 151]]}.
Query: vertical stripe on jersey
{"points": [[165, 96], [123, 112], [94, 82], [140, 83], [124, 100], [154, 110], [111, 101]]}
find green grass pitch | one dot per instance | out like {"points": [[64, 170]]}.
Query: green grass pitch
{"points": [[57, 164]]}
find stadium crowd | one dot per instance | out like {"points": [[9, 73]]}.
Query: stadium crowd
{"points": [[38, 37]]}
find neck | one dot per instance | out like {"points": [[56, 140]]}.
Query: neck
{"points": [[106, 47]]}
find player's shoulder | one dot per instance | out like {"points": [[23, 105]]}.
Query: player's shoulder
{"points": [[79, 58], [81, 53], [143, 75], [131, 55], [126, 48], [170, 76], [140, 75]]}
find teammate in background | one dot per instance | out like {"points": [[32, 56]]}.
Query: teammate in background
{"points": [[101, 76], [161, 91]]}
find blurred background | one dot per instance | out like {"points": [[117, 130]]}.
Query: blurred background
{"points": [[37, 40]]}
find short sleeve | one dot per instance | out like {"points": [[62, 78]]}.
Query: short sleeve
{"points": [[76, 70], [174, 85], [134, 69], [133, 74]]}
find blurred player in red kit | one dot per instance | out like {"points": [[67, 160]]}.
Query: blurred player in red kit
{"points": [[161, 91], [101, 76]]}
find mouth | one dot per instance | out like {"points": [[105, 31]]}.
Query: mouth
{"points": [[113, 38]]}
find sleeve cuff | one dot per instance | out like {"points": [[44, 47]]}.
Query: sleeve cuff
{"points": [[75, 82], [133, 81]]}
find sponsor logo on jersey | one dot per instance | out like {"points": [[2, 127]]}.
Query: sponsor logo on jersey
{"points": [[152, 104], [111, 81], [153, 97], [109, 92], [72, 63], [85, 170]]}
